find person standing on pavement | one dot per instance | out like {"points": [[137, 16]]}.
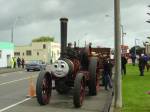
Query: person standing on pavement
{"points": [[141, 64], [123, 64], [146, 58], [133, 58], [110, 64], [18, 62], [22, 63], [14, 60], [106, 74]]}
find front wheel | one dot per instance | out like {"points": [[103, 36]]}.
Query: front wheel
{"points": [[44, 87], [79, 90]]}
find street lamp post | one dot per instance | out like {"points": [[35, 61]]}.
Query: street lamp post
{"points": [[122, 31], [122, 34], [122, 37], [12, 29], [135, 45]]}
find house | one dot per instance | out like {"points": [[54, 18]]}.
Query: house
{"points": [[6, 53], [48, 52]]}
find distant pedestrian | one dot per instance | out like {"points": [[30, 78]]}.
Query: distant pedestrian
{"points": [[12, 63], [110, 64], [22, 63], [146, 58], [14, 60], [123, 64], [106, 74], [133, 58], [18, 62], [141, 65]]}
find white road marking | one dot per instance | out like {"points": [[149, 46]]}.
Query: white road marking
{"points": [[13, 105], [15, 80], [12, 73]]}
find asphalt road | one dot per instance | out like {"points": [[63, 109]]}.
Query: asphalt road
{"points": [[14, 88]]}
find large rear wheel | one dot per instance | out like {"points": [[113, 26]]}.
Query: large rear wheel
{"points": [[44, 87], [93, 76], [79, 90]]}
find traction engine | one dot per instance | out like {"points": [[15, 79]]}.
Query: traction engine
{"points": [[75, 70]]}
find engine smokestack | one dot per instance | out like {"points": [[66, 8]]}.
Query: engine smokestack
{"points": [[63, 30]]}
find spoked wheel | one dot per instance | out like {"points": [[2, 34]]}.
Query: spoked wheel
{"points": [[44, 87], [93, 76], [79, 90]]}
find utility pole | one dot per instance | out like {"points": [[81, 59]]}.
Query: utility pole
{"points": [[12, 29], [118, 79], [122, 34], [135, 45], [122, 37], [12, 34], [78, 43]]}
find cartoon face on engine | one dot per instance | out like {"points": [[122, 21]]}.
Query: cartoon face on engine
{"points": [[60, 68]]}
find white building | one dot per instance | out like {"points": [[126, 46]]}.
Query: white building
{"points": [[147, 49], [6, 54], [46, 51]]}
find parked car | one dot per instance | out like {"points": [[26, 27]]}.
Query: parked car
{"points": [[35, 65]]}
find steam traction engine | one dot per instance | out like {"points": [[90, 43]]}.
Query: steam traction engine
{"points": [[74, 69]]}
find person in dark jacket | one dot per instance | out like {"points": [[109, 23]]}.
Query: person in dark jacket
{"points": [[106, 73], [22, 63], [133, 57], [141, 65], [146, 58], [123, 64], [18, 62]]}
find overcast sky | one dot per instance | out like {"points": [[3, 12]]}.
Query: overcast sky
{"points": [[90, 20]]}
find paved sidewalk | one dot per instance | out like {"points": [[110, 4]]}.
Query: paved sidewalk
{"points": [[8, 70]]}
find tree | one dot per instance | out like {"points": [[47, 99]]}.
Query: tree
{"points": [[139, 50], [44, 39]]}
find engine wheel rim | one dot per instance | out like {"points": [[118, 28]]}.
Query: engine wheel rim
{"points": [[45, 90], [97, 83], [82, 92]]}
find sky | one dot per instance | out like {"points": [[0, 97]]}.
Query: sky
{"points": [[89, 20]]}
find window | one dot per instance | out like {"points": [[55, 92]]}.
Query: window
{"points": [[44, 46], [37, 53], [17, 53], [23, 54], [0, 54], [28, 53]]}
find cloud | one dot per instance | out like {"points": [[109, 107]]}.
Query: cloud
{"points": [[87, 20]]}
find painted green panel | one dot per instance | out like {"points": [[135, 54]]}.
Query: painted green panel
{"points": [[6, 45]]}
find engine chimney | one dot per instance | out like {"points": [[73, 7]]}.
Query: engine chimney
{"points": [[63, 30]]}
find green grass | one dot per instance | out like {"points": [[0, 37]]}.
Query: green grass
{"points": [[134, 88]]}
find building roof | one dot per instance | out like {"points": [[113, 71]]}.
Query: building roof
{"points": [[6, 45]]}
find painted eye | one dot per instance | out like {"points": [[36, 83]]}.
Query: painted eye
{"points": [[55, 66], [62, 66]]}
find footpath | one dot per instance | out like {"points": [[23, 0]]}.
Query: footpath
{"points": [[8, 70]]}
